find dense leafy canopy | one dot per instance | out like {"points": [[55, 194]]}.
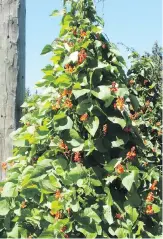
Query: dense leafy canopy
{"points": [[80, 168]]}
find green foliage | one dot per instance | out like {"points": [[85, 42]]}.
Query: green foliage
{"points": [[77, 168]]}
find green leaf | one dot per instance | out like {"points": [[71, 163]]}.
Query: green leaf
{"points": [[63, 81], [4, 207], [132, 212], [156, 208], [111, 165], [108, 214], [128, 179], [47, 49], [9, 190], [72, 137], [59, 116], [87, 231], [117, 120], [117, 143], [56, 206], [140, 228], [78, 93], [121, 233], [14, 232], [89, 212], [84, 106], [92, 125], [134, 102], [103, 93], [75, 206], [55, 13]]}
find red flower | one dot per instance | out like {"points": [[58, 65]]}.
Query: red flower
{"points": [[58, 215], [66, 93], [114, 88], [150, 197], [131, 154], [84, 117], [127, 129], [149, 210], [62, 145], [118, 216], [4, 165], [58, 194], [68, 103], [153, 186], [69, 68], [119, 168], [77, 157], [81, 56], [63, 229], [119, 103], [23, 204], [105, 129], [66, 236], [83, 33]]}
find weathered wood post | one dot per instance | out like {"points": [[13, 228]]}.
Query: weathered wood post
{"points": [[12, 71]]}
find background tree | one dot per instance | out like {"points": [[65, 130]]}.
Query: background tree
{"points": [[12, 70]]}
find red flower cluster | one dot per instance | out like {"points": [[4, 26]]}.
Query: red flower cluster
{"points": [[68, 103], [118, 216], [23, 205], [153, 186], [58, 194], [84, 117], [119, 103], [69, 68], [119, 168], [105, 129], [127, 129], [150, 197], [114, 88], [4, 165], [83, 33], [131, 154], [62, 145], [58, 215], [149, 210], [66, 92], [63, 229], [77, 157], [82, 56]]}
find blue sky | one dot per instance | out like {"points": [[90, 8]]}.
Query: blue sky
{"points": [[135, 23]]}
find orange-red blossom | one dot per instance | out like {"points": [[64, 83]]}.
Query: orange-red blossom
{"points": [[119, 168], [66, 92], [58, 194], [68, 103], [82, 56], [58, 215], [84, 117], [150, 197], [118, 216], [23, 204], [77, 157], [105, 129], [114, 88], [153, 186], [131, 154], [4, 165], [62, 145], [69, 68], [149, 210], [83, 33], [120, 103]]}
